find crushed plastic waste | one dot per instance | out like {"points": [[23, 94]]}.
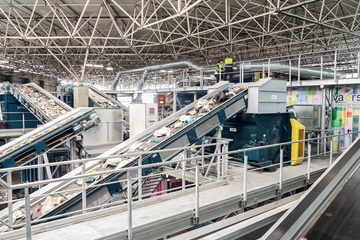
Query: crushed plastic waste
{"points": [[178, 124], [164, 131], [112, 162], [50, 203], [155, 140], [41, 101], [19, 214], [134, 146]]}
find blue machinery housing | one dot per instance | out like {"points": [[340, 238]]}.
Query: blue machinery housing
{"points": [[43, 138]]}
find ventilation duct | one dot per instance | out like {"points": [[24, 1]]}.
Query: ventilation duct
{"points": [[169, 65], [208, 70]]}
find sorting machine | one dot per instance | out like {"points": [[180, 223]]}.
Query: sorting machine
{"points": [[108, 188], [97, 98]]}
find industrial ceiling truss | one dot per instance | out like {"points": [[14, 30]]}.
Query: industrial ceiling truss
{"points": [[80, 39]]}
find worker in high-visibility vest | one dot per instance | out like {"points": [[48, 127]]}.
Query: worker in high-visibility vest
{"points": [[228, 68], [219, 72]]}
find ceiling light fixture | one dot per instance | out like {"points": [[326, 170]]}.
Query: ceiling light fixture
{"points": [[94, 65]]}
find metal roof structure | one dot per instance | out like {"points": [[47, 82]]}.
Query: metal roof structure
{"points": [[78, 39]]}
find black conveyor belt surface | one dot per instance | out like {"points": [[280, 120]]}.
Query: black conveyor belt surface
{"points": [[341, 220]]}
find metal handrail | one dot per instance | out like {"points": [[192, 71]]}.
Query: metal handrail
{"points": [[135, 169]]}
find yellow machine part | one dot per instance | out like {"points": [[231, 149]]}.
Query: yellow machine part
{"points": [[297, 149]]}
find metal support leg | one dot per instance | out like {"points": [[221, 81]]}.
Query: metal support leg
{"points": [[72, 153], [40, 169], [48, 170]]}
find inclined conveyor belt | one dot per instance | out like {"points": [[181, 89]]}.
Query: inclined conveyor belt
{"points": [[100, 99], [180, 137], [330, 208], [48, 135], [38, 101]]}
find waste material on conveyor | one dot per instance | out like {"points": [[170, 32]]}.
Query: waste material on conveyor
{"points": [[100, 100], [44, 207], [39, 134], [142, 145], [41, 101]]}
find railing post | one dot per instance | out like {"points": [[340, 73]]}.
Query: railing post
{"points": [[140, 178], [245, 181], [308, 163], [129, 197], [223, 161], [203, 159], [9, 195], [281, 170], [318, 145], [226, 157], [183, 166], [218, 167], [83, 189], [197, 183], [331, 151], [27, 214], [325, 143]]}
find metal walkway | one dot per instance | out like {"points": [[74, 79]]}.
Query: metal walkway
{"points": [[155, 218]]}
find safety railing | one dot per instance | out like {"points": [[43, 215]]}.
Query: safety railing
{"points": [[192, 165]]}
